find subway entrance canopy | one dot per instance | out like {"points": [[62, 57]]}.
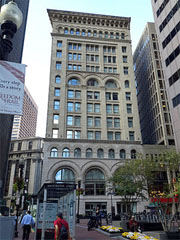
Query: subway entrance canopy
{"points": [[51, 199]]}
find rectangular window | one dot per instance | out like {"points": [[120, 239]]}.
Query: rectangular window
{"points": [[89, 107], [115, 108], [130, 122], [109, 122], [74, 56], [74, 67], [70, 107], [77, 134], [96, 95], [58, 54], [97, 121], [56, 104], [79, 57], [129, 108], [98, 135], [77, 121], [108, 108], [90, 121], [56, 118], [131, 136], [69, 120], [59, 44], [69, 56], [116, 122], [77, 94], [57, 92], [96, 107], [115, 96], [55, 133], [108, 96], [69, 134], [89, 95], [70, 94], [128, 96], [117, 136], [110, 135], [58, 65], [124, 49], [90, 134], [125, 69], [124, 59], [77, 107]]}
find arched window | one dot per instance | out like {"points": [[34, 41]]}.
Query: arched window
{"points": [[72, 31], [94, 34], [89, 33], [57, 79], [89, 153], [92, 82], [83, 33], [117, 35], [74, 82], [66, 152], [122, 154], [95, 182], [66, 30], [111, 153], [54, 152], [77, 32], [65, 175], [111, 84], [133, 154], [106, 34], [126, 84], [122, 35], [100, 153], [77, 153]]}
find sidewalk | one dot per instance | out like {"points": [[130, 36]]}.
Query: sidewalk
{"points": [[81, 233]]}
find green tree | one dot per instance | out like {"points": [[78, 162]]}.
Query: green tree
{"points": [[134, 181]]}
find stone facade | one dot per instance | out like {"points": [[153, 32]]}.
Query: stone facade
{"points": [[166, 17], [155, 119], [25, 160]]}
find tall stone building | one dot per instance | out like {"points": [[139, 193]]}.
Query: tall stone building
{"points": [[25, 125], [155, 119], [92, 119], [166, 16]]}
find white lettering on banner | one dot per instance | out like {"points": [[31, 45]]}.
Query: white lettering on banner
{"points": [[12, 77]]}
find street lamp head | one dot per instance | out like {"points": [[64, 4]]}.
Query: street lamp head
{"points": [[11, 13]]}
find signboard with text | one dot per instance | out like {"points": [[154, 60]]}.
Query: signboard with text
{"points": [[12, 77]]}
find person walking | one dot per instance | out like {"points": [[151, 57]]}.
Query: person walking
{"points": [[61, 228], [27, 222]]}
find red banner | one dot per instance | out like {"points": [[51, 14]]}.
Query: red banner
{"points": [[164, 200]]}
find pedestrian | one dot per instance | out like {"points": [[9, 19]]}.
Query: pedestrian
{"points": [[133, 224], [61, 228], [27, 222]]}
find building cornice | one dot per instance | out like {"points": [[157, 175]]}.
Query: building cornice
{"points": [[88, 18]]}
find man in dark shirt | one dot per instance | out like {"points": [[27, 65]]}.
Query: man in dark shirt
{"points": [[58, 224]]}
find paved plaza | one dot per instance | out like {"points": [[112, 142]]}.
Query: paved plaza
{"points": [[81, 233]]}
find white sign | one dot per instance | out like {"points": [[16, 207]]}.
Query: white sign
{"points": [[51, 212], [12, 77]]}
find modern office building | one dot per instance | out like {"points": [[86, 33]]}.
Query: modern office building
{"points": [[6, 121], [155, 119], [167, 22], [25, 161], [92, 119], [25, 125]]}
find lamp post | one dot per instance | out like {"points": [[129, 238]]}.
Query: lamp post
{"points": [[10, 20]]}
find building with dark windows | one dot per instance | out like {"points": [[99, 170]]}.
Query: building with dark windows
{"points": [[25, 125], [92, 119], [167, 22], [155, 119], [25, 161], [6, 120]]}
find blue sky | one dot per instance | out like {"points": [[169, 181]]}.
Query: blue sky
{"points": [[37, 46]]}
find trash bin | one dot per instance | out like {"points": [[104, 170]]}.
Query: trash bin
{"points": [[7, 225]]}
